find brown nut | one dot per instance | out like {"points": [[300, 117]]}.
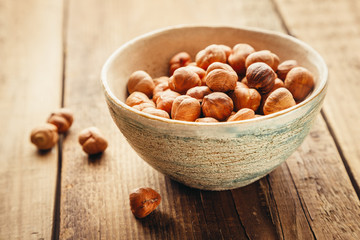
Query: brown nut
{"points": [[156, 112], [62, 119], [92, 141], [278, 83], [261, 77], [144, 201], [161, 79], [220, 77], [183, 79], [244, 81], [199, 92], [244, 97], [217, 105], [206, 120], [44, 136], [185, 108], [226, 49], [238, 57], [165, 100], [140, 81], [265, 56], [285, 67], [212, 53], [278, 100], [199, 71], [161, 87], [144, 105], [179, 60], [242, 114], [136, 98], [299, 81]]}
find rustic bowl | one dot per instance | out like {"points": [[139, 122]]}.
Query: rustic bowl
{"points": [[211, 156]]}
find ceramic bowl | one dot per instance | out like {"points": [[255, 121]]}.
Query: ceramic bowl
{"points": [[210, 156]]}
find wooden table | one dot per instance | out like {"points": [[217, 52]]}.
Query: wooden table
{"points": [[51, 53]]}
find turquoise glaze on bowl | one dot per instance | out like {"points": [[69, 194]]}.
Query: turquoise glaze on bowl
{"points": [[211, 156]]}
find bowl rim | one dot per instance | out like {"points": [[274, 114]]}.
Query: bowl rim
{"points": [[323, 81]]}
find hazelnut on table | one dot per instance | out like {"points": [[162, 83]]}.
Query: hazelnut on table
{"points": [[92, 141], [62, 119], [144, 201], [44, 136]]}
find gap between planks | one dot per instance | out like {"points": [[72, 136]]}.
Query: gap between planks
{"points": [[57, 202]]}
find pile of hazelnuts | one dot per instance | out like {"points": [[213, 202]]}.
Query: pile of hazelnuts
{"points": [[223, 84], [46, 136]]}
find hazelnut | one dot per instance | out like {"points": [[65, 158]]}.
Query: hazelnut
{"points": [[62, 119], [278, 100], [144, 105], [299, 81], [161, 79], [140, 81], [199, 92], [226, 49], [166, 99], [136, 98], [278, 83], [261, 77], [159, 88], [285, 67], [183, 79], [199, 71], [206, 120], [185, 108], [244, 97], [220, 77], [265, 56], [144, 201], [238, 56], [180, 59], [242, 84], [212, 53], [217, 105], [156, 112], [242, 114], [92, 140], [244, 81], [44, 136]]}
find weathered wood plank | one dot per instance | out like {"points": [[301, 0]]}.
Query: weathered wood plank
{"points": [[30, 87], [333, 28], [94, 200]]}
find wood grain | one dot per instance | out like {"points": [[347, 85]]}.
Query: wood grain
{"points": [[338, 42], [94, 191], [30, 87]]}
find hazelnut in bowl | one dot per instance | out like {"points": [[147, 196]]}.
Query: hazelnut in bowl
{"points": [[235, 149]]}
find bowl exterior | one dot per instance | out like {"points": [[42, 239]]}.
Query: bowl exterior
{"points": [[216, 157]]}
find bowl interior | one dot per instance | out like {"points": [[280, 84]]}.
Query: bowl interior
{"points": [[152, 52]]}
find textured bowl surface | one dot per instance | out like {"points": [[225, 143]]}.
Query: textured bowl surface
{"points": [[211, 156]]}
